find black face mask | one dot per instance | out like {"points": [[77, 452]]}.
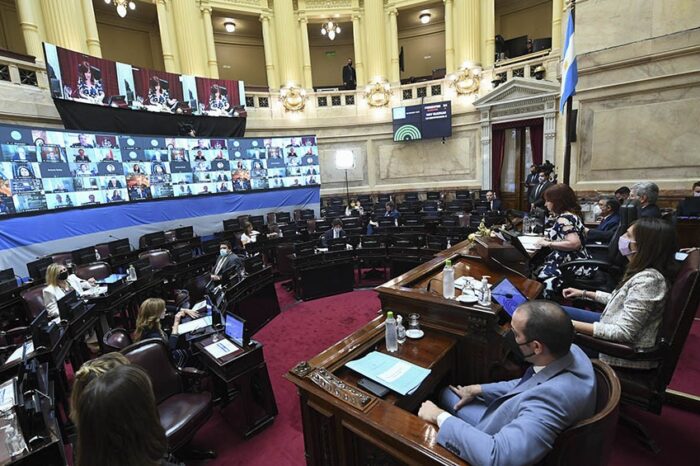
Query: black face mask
{"points": [[63, 275], [515, 346]]}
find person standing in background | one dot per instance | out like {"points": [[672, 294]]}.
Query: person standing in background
{"points": [[349, 76]]}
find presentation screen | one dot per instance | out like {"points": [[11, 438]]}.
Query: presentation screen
{"points": [[426, 121], [44, 169], [84, 78]]}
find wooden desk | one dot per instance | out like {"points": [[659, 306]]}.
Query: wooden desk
{"points": [[242, 374], [343, 424], [688, 231]]}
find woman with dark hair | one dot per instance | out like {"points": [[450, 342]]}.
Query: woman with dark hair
{"points": [[217, 101], [89, 88], [157, 95], [634, 310], [118, 422], [566, 239]]}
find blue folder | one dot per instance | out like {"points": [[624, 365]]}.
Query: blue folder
{"points": [[396, 374]]}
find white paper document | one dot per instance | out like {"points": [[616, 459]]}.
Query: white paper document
{"points": [[17, 354], [221, 348], [530, 242], [7, 395], [195, 324], [395, 372]]}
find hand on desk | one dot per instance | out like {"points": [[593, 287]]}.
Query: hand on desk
{"points": [[569, 293], [189, 313], [429, 412], [92, 281], [215, 278]]}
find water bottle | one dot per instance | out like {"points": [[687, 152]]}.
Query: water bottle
{"points": [[400, 330], [526, 224], [449, 244], [132, 273], [448, 280], [392, 344], [485, 299]]}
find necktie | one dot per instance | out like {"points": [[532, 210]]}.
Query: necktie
{"points": [[537, 191], [527, 375]]}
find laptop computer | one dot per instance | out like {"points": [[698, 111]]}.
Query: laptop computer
{"points": [[508, 296], [235, 329]]}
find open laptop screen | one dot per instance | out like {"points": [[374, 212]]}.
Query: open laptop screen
{"points": [[235, 329], [508, 296]]}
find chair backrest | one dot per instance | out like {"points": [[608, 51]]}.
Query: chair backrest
{"points": [[61, 257], [103, 250], [590, 441], [34, 298], [96, 270], [152, 355], [116, 339], [158, 258], [681, 307]]}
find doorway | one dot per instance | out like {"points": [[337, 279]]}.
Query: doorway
{"points": [[516, 146]]}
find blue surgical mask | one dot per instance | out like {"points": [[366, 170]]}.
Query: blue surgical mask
{"points": [[223, 252], [623, 245]]}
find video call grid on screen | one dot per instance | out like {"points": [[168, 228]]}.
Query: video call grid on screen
{"points": [[42, 169]]}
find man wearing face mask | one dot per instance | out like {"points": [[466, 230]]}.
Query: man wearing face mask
{"points": [[690, 206], [517, 421], [226, 261], [634, 310], [536, 197], [335, 232], [645, 193], [609, 208]]}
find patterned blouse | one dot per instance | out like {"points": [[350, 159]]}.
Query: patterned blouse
{"points": [[91, 91], [156, 99], [633, 315], [550, 273], [221, 104]]}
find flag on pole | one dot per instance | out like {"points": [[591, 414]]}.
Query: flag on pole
{"points": [[569, 71]]}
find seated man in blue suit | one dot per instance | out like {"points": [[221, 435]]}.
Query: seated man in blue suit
{"points": [[609, 210], [516, 422], [336, 231]]}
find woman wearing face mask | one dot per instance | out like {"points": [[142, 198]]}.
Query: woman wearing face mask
{"points": [[634, 310], [151, 312], [249, 234], [58, 284]]}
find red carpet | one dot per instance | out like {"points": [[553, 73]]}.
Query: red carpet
{"points": [[306, 328]]}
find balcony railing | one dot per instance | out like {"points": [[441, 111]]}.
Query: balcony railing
{"points": [[19, 69]]}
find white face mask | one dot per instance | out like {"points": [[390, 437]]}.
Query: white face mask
{"points": [[223, 252], [597, 211], [696, 193]]}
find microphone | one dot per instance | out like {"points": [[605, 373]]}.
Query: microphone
{"points": [[507, 295]]}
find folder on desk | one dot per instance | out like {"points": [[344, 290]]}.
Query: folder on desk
{"points": [[396, 374]]}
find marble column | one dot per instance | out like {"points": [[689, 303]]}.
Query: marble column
{"points": [[305, 51], [165, 38], [375, 33], [459, 31], [28, 21], [357, 38], [394, 69], [92, 37], [449, 39], [268, 47], [472, 25], [557, 10], [488, 33], [290, 71], [189, 37], [212, 64], [64, 24]]}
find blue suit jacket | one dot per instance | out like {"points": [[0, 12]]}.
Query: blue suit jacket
{"points": [[609, 223], [519, 423], [605, 231]]}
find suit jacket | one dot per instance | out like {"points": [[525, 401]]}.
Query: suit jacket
{"points": [[605, 230], [651, 210], [536, 196], [522, 420], [225, 264], [496, 205], [349, 76], [328, 235]]}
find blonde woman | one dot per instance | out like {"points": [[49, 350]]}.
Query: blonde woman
{"points": [[59, 283], [151, 312], [88, 372]]}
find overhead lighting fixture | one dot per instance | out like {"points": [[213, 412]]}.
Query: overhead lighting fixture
{"points": [[424, 18], [230, 26], [330, 29], [123, 6]]}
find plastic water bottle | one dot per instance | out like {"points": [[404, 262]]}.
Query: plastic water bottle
{"points": [[526, 224], [485, 299], [392, 344], [400, 330], [448, 280], [132, 273]]}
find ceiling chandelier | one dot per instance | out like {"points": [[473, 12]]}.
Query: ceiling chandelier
{"points": [[330, 29], [123, 6]]}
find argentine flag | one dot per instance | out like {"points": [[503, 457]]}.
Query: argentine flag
{"points": [[569, 71]]}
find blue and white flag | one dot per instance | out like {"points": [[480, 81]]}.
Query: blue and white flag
{"points": [[569, 71]]}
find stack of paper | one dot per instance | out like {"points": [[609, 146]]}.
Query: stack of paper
{"points": [[530, 243], [394, 373]]}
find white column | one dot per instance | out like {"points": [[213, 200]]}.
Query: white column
{"points": [[92, 37], [394, 70], [305, 52], [488, 33], [357, 38], [30, 29], [557, 10], [212, 65], [268, 47], [449, 39], [165, 40]]}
